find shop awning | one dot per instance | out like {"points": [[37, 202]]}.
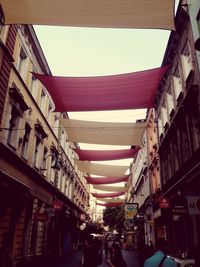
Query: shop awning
{"points": [[106, 180], [105, 195], [101, 155], [115, 92], [104, 133], [110, 188], [101, 169], [91, 13]]}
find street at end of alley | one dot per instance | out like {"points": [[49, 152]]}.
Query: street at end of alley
{"points": [[74, 260]]}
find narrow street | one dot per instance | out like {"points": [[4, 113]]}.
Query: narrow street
{"points": [[99, 133], [74, 260]]}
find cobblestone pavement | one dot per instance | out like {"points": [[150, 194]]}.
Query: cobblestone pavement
{"points": [[74, 260]]}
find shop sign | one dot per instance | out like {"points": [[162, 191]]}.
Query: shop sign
{"points": [[193, 204], [164, 203], [82, 217], [131, 210], [179, 205], [42, 217], [57, 204]]}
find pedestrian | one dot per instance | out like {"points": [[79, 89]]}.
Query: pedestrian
{"points": [[197, 255], [110, 242], [106, 248], [151, 248], [144, 252], [117, 259], [90, 253], [159, 258]]}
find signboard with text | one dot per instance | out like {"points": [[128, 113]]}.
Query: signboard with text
{"points": [[57, 204], [164, 203], [193, 204], [131, 210]]}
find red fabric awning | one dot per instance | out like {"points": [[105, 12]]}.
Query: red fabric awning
{"points": [[115, 92], [100, 155], [106, 180], [105, 195], [116, 204]]}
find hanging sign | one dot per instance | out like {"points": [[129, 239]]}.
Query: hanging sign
{"points": [[131, 210], [179, 205], [57, 204], [164, 203], [193, 204]]}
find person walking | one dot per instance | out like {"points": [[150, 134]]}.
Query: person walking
{"points": [[116, 259], [106, 248], [90, 253], [159, 258], [144, 252]]}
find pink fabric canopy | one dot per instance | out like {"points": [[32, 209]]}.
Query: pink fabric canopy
{"points": [[115, 92], [100, 155], [116, 204], [106, 180], [105, 195]]}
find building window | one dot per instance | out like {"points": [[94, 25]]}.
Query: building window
{"points": [[184, 142], [33, 86], [165, 117], [25, 141], [39, 137], [18, 106], [177, 83], [13, 132], [43, 101], [22, 63], [186, 60], [37, 152]]}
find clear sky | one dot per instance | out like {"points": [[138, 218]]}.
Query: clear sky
{"points": [[92, 51]]}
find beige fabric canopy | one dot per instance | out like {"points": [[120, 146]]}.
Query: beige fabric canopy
{"points": [[158, 14], [104, 133], [101, 169], [110, 188], [110, 200]]}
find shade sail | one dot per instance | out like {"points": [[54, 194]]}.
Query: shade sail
{"points": [[111, 200], [110, 188], [110, 204], [100, 155], [115, 92], [105, 195], [101, 169], [91, 13], [104, 133], [106, 180]]}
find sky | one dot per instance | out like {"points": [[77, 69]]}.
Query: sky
{"points": [[76, 52]]}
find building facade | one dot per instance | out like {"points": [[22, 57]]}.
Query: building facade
{"points": [[178, 114], [42, 194]]}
